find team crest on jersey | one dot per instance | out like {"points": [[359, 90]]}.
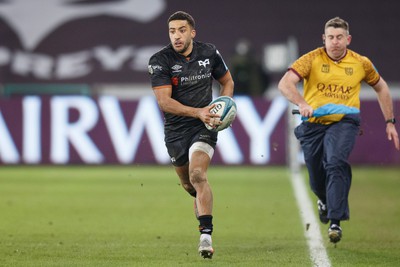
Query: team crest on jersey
{"points": [[348, 71], [204, 63], [325, 68]]}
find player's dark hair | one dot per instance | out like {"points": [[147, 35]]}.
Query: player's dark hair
{"points": [[337, 22], [181, 15]]}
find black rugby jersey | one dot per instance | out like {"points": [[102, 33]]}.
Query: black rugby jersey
{"points": [[191, 80]]}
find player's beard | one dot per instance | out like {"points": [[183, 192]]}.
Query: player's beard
{"points": [[185, 47]]}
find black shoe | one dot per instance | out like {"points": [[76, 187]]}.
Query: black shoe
{"points": [[335, 233], [323, 212]]}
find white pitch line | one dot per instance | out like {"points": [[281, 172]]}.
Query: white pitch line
{"points": [[318, 254]]}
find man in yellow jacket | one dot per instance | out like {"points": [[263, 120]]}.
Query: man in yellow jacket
{"points": [[330, 107]]}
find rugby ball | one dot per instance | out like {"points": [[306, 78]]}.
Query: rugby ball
{"points": [[225, 107]]}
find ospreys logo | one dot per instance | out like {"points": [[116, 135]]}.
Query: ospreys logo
{"points": [[204, 63], [38, 22]]}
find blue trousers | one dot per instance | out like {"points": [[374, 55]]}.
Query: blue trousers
{"points": [[326, 151]]}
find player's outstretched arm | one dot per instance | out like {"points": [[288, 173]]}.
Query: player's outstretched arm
{"points": [[386, 104]]}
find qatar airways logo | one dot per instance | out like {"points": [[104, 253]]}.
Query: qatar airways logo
{"points": [[335, 90], [33, 21], [36, 130]]}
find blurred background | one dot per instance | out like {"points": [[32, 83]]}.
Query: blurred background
{"points": [[74, 87]]}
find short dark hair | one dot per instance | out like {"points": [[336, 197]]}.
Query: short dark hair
{"points": [[337, 22], [181, 15]]}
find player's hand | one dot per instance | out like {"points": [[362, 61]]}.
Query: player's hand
{"points": [[392, 135], [205, 115], [306, 110]]}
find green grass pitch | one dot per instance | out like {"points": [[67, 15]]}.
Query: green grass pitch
{"points": [[140, 216]]}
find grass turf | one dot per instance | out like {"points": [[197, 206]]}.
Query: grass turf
{"points": [[140, 216], [372, 235]]}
